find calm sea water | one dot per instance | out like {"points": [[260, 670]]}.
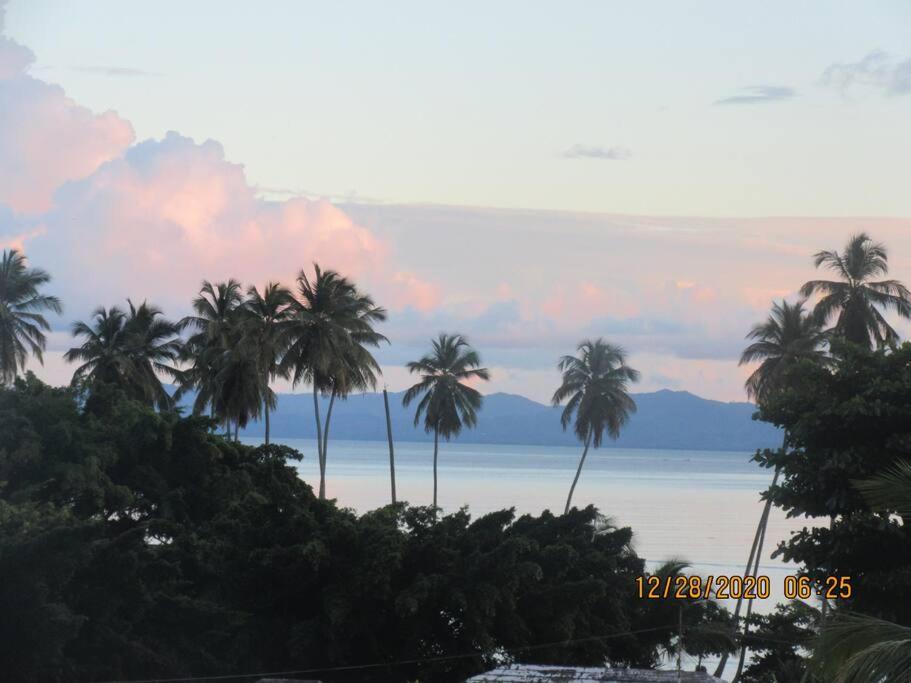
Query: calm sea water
{"points": [[698, 506]]}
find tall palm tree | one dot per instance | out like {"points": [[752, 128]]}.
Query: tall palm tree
{"points": [[596, 383], [264, 315], [326, 335], [789, 335], [214, 329], [22, 325], [855, 299], [447, 403], [130, 349]]}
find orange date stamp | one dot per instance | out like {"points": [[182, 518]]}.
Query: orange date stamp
{"points": [[735, 587]]}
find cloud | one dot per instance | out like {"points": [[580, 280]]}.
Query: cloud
{"points": [[593, 152], [156, 221], [115, 71], [877, 69], [759, 94], [46, 139]]}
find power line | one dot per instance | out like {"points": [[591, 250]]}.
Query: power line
{"points": [[377, 665]]}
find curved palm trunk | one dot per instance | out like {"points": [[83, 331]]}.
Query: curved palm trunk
{"points": [[391, 449], [436, 444], [326, 440], [746, 619], [755, 554], [319, 444], [569, 498], [266, 413]]}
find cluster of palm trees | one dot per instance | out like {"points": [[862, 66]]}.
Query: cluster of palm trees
{"points": [[850, 308], [238, 342]]}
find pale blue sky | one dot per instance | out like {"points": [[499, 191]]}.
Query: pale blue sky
{"points": [[663, 170], [476, 102]]}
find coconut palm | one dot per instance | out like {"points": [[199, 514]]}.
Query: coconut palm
{"points": [[447, 402], [326, 335], [596, 387], [855, 300], [789, 335], [22, 325], [263, 317], [130, 349], [214, 329]]}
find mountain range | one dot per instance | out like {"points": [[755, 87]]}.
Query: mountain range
{"points": [[664, 419]]}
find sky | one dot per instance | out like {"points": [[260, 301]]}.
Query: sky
{"points": [[527, 173]]}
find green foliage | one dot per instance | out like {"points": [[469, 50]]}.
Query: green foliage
{"points": [[778, 641], [135, 544], [855, 648], [22, 325], [850, 423]]}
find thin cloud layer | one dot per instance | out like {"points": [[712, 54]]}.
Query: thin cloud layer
{"points": [[595, 152], [759, 94], [878, 70]]}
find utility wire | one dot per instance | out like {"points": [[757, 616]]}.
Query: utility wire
{"points": [[377, 665]]}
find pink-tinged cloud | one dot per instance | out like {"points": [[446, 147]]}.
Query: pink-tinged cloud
{"points": [[585, 301], [169, 213], [47, 139]]}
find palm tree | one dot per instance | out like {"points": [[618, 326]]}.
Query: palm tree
{"points": [[129, 349], [855, 300], [22, 325], [788, 336], [325, 339], [447, 403], [214, 325], [264, 315], [596, 384]]}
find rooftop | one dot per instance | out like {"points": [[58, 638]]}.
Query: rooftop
{"points": [[534, 673]]}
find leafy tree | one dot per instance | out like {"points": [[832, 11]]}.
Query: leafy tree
{"points": [[778, 641], [596, 388], [855, 299], [329, 328], [22, 323], [447, 403], [130, 349], [848, 423], [142, 546]]}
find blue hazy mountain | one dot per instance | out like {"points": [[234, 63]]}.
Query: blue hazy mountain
{"points": [[665, 419]]}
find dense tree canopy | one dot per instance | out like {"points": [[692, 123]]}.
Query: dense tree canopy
{"points": [[137, 544], [847, 424]]}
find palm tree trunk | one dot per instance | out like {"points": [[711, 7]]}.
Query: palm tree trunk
{"points": [[391, 449], [319, 444], [758, 538], [326, 434], [569, 498], [746, 620], [266, 413], [436, 442]]}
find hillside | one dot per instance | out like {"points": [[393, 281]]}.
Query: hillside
{"points": [[665, 419]]}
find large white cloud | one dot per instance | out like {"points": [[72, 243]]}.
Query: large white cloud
{"points": [[45, 137]]}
